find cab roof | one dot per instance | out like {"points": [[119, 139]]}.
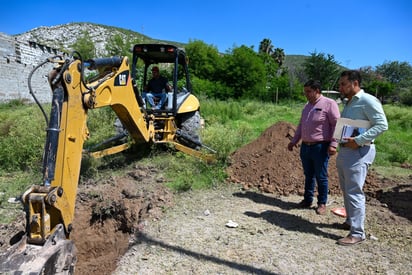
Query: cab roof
{"points": [[158, 53]]}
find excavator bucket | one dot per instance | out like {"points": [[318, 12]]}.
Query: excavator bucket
{"points": [[56, 256]]}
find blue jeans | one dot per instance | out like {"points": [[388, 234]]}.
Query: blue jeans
{"points": [[315, 159], [150, 97]]}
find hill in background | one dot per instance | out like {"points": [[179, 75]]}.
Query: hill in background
{"points": [[61, 37]]}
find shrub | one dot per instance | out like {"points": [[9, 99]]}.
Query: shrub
{"points": [[405, 97], [22, 138]]}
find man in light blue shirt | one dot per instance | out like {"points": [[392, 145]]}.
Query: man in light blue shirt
{"points": [[357, 153]]}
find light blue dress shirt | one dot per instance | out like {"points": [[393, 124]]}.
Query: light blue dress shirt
{"points": [[366, 107]]}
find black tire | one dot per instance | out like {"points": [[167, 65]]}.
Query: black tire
{"points": [[190, 126]]}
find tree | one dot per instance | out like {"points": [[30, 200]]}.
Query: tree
{"points": [[244, 72], [400, 75], [204, 59], [374, 83], [405, 97], [279, 56], [368, 75], [266, 46], [85, 46], [271, 69], [397, 73], [276, 76], [322, 67]]}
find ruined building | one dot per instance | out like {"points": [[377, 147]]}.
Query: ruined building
{"points": [[17, 60]]}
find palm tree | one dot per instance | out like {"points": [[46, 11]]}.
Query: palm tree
{"points": [[266, 46], [279, 56]]}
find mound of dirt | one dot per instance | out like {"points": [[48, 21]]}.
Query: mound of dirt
{"points": [[266, 164]]}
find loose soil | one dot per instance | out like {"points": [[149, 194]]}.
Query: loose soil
{"points": [[133, 224]]}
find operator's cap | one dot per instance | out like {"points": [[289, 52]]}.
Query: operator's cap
{"points": [[155, 69]]}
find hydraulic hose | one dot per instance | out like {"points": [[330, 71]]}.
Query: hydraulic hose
{"points": [[53, 131], [93, 64]]}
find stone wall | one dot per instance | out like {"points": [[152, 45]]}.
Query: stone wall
{"points": [[17, 60]]}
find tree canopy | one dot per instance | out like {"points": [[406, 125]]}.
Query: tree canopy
{"points": [[241, 72], [204, 59], [322, 67], [244, 72], [398, 73]]}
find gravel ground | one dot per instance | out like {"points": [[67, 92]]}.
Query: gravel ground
{"points": [[272, 237]]}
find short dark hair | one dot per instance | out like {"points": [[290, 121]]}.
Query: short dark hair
{"points": [[313, 84], [352, 75]]}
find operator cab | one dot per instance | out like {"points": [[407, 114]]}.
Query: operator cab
{"points": [[172, 62]]}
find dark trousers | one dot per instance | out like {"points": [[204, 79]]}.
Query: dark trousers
{"points": [[315, 159]]}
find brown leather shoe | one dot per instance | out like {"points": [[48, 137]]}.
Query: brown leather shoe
{"points": [[350, 240], [321, 210]]}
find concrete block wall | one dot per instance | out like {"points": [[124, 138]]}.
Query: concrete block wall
{"points": [[17, 60]]}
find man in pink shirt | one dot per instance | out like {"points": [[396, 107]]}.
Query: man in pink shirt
{"points": [[315, 129]]}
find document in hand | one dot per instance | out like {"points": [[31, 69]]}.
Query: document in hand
{"points": [[346, 127]]}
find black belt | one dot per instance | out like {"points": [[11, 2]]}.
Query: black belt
{"points": [[314, 143]]}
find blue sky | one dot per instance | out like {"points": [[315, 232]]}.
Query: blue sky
{"points": [[357, 32]]}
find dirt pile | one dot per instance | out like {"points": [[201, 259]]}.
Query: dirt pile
{"points": [[266, 164]]}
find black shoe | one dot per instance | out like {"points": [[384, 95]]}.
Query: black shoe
{"points": [[304, 204]]}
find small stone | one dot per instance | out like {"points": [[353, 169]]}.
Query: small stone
{"points": [[373, 238], [13, 200], [231, 224]]}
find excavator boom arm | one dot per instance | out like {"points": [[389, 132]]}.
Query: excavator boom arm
{"points": [[51, 204]]}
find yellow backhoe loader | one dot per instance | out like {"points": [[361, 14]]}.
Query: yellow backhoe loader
{"points": [[46, 248]]}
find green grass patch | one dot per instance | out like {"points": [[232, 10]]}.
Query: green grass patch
{"points": [[393, 172], [12, 185]]}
